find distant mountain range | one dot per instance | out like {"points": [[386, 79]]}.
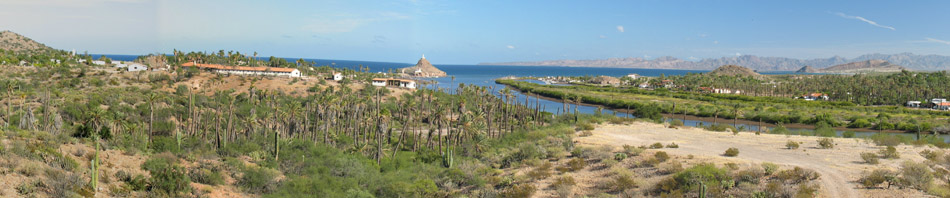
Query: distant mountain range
{"points": [[908, 60]]}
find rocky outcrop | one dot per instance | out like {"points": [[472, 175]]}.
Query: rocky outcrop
{"points": [[735, 70], [807, 69], [423, 69], [11, 41], [868, 66]]}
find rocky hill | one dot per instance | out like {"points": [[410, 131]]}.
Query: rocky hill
{"points": [[807, 69], [863, 67], [423, 69], [11, 41], [909, 60], [735, 70]]}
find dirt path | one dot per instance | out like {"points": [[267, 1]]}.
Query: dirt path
{"points": [[839, 167]]}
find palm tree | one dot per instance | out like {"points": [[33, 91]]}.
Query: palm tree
{"points": [[151, 98]]}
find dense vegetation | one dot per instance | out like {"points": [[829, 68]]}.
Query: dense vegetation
{"points": [[888, 89], [776, 110]]}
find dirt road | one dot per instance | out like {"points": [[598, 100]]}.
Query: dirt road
{"points": [[839, 167]]}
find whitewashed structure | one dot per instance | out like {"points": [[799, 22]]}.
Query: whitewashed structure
{"points": [[393, 82]]}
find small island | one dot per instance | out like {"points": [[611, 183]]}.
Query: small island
{"points": [[423, 69]]}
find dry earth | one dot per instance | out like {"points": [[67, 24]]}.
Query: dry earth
{"points": [[839, 167]]}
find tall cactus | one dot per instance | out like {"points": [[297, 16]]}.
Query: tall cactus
{"points": [[448, 159], [702, 190], [95, 167]]}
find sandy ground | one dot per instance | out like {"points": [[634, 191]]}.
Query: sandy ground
{"points": [[839, 167]]}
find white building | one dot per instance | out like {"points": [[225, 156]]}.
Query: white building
{"points": [[913, 103], [633, 76], [98, 62], [269, 71], [137, 67], [337, 76], [392, 82]]}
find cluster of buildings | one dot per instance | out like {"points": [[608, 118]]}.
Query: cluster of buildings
{"points": [[815, 96], [719, 90], [394, 82], [936, 103]]}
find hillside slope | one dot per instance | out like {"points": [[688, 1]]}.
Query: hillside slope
{"points": [[11, 41]]}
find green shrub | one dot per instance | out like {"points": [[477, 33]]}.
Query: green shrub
{"points": [[859, 123], [675, 122], [916, 175], [661, 156], [826, 143], [889, 153], [564, 181], [620, 156], [167, 176], [258, 179], [206, 176], [769, 168], [882, 139], [585, 126], [791, 144], [656, 145], [707, 174], [870, 158], [731, 152], [876, 177]]}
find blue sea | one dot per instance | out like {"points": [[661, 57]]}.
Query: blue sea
{"points": [[485, 75]]}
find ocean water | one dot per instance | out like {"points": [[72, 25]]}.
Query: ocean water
{"points": [[485, 75]]}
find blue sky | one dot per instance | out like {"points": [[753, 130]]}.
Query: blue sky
{"points": [[468, 32]]}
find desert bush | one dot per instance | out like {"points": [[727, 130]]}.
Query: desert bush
{"points": [[769, 168], [731, 152], [877, 177], [206, 176], [622, 182], [791, 145], [870, 158], [29, 187], [670, 167], [167, 176], [676, 123], [708, 174], [750, 175], [620, 156], [585, 126], [661, 156], [797, 175], [826, 143], [632, 150], [886, 140], [258, 179], [916, 175], [540, 172], [30, 168], [931, 154], [576, 164], [564, 186], [672, 145], [518, 191], [656, 145], [889, 153]]}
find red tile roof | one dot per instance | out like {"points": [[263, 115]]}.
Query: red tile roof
{"points": [[241, 68]]}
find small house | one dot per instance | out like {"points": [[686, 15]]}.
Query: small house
{"points": [[337, 76], [633, 76], [136, 67], [913, 104], [393, 82], [815, 96], [605, 80]]}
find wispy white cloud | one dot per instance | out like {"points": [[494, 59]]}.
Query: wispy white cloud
{"points": [[692, 58], [602, 36], [715, 42], [510, 47], [342, 23], [937, 41], [620, 28], [738, 54], [842, 15]]}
